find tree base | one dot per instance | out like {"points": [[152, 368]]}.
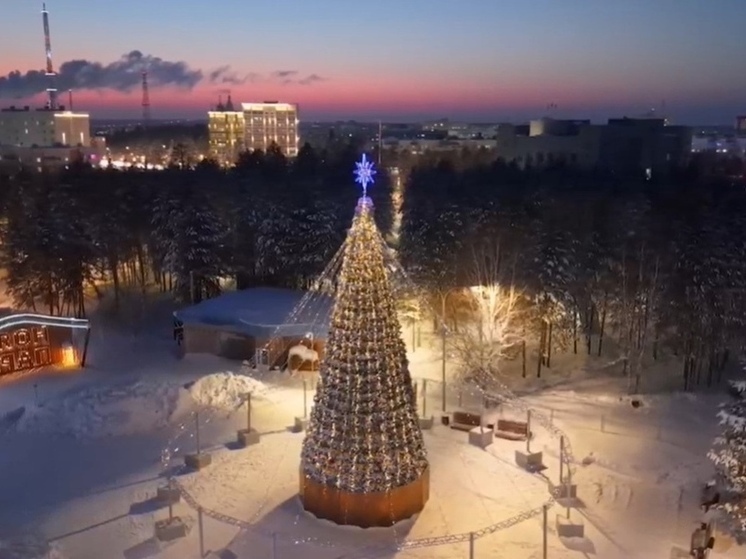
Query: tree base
{"points": [[247, 437], [168, 495], [170, 529], [198, 461], [366, 510]]}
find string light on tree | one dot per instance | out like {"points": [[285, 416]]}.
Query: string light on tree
{"points": [[363, 460]]}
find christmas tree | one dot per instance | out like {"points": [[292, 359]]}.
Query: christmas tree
{"points": [[729, 457], [363, 437]]}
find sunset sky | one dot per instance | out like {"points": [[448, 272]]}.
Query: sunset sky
{"points": [[478, 60]]}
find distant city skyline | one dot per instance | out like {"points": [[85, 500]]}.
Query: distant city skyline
{"points": [[484, 60]]}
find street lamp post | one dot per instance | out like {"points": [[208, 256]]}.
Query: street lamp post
{"points": [[443, 333], [443, 359]]}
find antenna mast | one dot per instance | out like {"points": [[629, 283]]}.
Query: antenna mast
{"points": [[145, 99], [51, 90]]}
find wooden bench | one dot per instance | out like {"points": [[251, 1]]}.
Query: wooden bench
{"points": [[465, 421], [512, 430]]}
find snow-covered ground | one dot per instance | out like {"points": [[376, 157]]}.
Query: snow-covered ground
{"points": [[81, 455]]}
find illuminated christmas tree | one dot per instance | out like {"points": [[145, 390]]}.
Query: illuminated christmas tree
{"points": [[363, 459]]}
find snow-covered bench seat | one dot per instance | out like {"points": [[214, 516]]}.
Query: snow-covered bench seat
{"points": [[512, 430], [465, 421]]}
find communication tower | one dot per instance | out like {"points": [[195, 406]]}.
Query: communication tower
{"points": [[145, 99], [51, 74]]}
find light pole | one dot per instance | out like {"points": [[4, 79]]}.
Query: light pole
{"points": [[443, 332]]}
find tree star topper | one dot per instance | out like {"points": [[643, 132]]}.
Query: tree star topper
{"points": [[364, 172]]}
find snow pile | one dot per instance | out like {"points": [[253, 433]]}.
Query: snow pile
{"points": [[134, 407], [96, 411], [225, 391], [29, 547]]}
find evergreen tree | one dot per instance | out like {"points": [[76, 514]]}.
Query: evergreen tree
{"points": [[363, 434], [193, 240], [729, 457]]}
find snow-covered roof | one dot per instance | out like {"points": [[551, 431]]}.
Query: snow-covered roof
{"points": [[264, 312]]}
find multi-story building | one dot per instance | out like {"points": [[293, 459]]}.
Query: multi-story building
{"points": [[271, 123], [43, 138], [741, 123], [255, 126], [622, 145], [225, 127], [24, 127]]}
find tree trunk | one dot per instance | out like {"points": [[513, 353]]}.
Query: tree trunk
{"points": [[589, 322], [540, 359], [523, 358], [602, 326], [645, 322], [549, 345], [141, 265], [710, 366], [114, 267], [575, 329]]}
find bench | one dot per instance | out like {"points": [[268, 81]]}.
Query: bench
{"points": [[512, 430], [465, 421]]}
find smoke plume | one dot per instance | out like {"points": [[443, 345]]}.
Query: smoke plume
{"points": [[123, 75]]}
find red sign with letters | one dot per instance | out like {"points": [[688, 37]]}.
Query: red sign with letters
{"points": [[24, 349]]}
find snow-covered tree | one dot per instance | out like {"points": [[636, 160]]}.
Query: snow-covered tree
{"points": [[192, 239], [494, 328], [729, 457]]}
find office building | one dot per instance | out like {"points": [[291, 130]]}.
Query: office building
{"points": [[43, 127], [43, 138], [741, 124], [255, 127], [271, 123], [225, 130], [621, 145]]}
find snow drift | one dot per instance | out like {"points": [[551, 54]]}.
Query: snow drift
{"points": [[135, 407]]}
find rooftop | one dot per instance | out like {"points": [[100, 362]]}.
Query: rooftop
{"points": [[263, 312]]}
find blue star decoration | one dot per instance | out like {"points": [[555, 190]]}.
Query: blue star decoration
{"points": [[364, 172]]}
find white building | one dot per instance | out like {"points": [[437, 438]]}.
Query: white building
{"points": [[44, 139], [255, 126], [44, 128], [271, 122]]}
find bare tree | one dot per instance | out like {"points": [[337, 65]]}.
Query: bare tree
{"points": [[639, 302], [493, 332]]}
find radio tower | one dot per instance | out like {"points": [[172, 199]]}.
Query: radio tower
{"points": [[145, 99], [51, 90]]}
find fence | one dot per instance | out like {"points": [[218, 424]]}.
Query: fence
{"points": [[430, 396], [574, 415]]}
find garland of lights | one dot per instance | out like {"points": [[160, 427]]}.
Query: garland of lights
{"points": [[41, 320], [363, 434]]}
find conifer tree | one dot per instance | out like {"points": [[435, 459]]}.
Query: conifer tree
{"points": [[729, 458], [363, 434]]}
